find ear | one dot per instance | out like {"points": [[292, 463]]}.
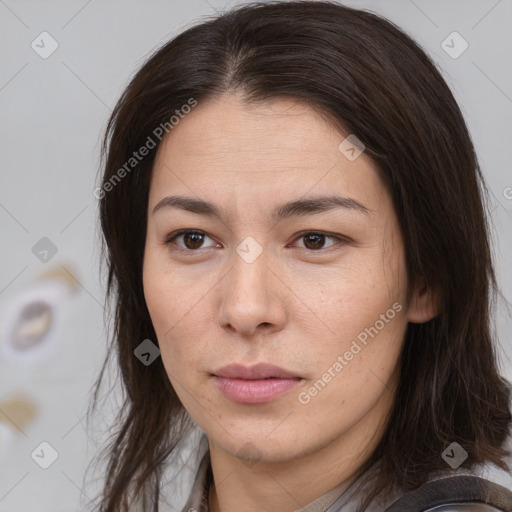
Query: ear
{"points": [[424, 304]]}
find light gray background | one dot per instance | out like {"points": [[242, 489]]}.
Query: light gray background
{"points": [[53, 113]]}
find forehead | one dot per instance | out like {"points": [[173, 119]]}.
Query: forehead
{"points": [[281, 144], [228, 127]]}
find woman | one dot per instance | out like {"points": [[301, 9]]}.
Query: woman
{"points": [[298, 254]]}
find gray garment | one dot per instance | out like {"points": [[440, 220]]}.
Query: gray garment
{"points": [[468, 507]]}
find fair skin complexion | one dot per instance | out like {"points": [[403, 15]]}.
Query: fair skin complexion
{"points": [[299, 305]]}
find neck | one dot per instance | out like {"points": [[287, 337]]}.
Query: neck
{"points": [[292, 484]]}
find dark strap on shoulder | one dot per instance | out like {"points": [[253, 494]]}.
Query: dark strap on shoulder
{"points": [[455, 491]]}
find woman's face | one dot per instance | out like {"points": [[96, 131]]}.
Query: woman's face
{"points": [[254, 285]]}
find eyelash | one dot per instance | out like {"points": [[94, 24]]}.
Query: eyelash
{"points": [[170, 239]]}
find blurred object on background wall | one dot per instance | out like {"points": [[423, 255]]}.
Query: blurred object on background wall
{"points": [[31, 330]]}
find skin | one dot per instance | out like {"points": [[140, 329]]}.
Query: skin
{"points": [[294, 306]]}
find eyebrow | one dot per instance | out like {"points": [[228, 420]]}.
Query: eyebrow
{"points": [[297, 208]]}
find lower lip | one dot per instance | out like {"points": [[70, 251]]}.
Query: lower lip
{"points": [[254, 391]]}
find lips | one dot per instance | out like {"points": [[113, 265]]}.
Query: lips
{"points": [[257, 372], [256, 384]]}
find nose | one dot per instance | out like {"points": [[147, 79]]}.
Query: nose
{"points": [[252, 299]]}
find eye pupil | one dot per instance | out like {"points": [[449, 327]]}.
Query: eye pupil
{"points": [[318, 241], [197, 240]]}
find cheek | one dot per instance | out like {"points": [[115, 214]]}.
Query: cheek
{"points": [[359, 364], [355, 299], [363, 306], [168, 298], [176, 303], [164, 309], [162, 306]]}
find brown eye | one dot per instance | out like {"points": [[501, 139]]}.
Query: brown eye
{"points": [[192, 240], [315, 241]]}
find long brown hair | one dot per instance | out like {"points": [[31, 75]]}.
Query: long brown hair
{"points": [[369, 77]]}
